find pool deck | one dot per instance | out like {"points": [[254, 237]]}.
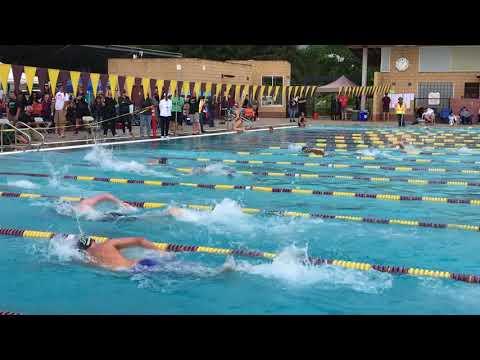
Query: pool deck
{"points": [[82, 139]]}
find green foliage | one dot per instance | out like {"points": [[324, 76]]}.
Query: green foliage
{"points": [[313, 65]]}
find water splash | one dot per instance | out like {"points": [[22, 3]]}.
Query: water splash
{"points": [[289, 267], [25, 184], [295, 147], [104, 158]]}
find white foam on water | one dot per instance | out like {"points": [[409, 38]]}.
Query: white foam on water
{"points": [[104, 158], [467, 151], [64, 249], [91, 214], [288, 267], [216, 169], [295, 147], [25, 184], [369, 152]]}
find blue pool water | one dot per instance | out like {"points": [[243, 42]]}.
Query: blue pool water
{"points": [[38, 276]]}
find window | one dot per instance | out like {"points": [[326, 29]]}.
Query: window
{"points": [[268, 100], [472, 90], [385, 59], [445, 89]]}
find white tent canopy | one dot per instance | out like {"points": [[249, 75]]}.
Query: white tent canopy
{"points": [[333, 87]]}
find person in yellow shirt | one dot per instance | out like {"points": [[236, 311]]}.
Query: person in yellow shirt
{"points": [[400, 111]]}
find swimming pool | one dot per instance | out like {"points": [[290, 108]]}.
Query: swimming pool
{"points": [[41, 276]]}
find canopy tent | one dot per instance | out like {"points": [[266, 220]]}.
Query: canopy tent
{"points": [[335, 86]]}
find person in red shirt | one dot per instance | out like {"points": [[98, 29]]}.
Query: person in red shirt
{"points": [[343, 100]]}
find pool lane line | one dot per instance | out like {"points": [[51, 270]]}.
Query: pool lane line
{"points": [[383, 179], [310, 261], [326, 165], [257, 211], [298, 191]]}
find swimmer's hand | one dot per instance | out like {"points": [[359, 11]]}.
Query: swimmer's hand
{"points": [[175, 212], [128, 207]]}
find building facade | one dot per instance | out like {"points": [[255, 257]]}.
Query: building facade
{"points": [[240, 72], [437, 76]]}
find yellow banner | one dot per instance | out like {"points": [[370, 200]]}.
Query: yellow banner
{"points": [[160, 87], [186, 88], [208, 88], [236, 93], [29, 75], [173, 87], [113, 80], [262, 91], [4, 71], [53, 77], [255, 87], [227, 90], [277, 88], [95, 78], [196, 88], [75, 76], [307, 90], [218, 88], [146, 86], [129, 82]]}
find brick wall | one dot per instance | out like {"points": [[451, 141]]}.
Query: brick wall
{"points": [[407, 81]]}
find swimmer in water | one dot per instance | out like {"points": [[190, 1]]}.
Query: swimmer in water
{"points": [[316, 151], [87, 205], [108, 254]]}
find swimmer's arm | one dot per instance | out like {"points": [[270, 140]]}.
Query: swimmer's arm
{"points": [[127, 242]]}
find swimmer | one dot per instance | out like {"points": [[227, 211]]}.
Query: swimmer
{"points": [[87, 205], [270, 128], [316, 151], [108, 254]]}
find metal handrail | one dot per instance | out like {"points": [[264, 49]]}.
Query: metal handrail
{"points": [[15, 129], [35, 131]]}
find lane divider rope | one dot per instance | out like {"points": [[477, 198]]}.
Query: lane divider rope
{"points": [[299, 191], [310, 261], [326, 165]]}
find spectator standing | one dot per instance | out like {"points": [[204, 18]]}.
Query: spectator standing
{"points": [[386, 107], [47, 110], [165, 108], [97, 109], [62, 100], [13, 110], [186, 111], [202, 112], [302, 106], [210, 112], [194, 108], [400, 112], [81, 110], [343, 100], [146, 116], [177, 110], [255, 109], [292, 109], [125, 117], [109, 114]]}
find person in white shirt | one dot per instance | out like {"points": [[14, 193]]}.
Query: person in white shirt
{"points": [[165, 107], [61, 102]]}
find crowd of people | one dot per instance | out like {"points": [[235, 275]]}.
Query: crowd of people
{"points": [[76, 113]]}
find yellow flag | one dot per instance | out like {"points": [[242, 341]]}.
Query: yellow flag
{"points": [[129, 82], [113, 80], [160, 87], [277, 88], [53, 76], [208, 88], [196, 88], [307, 90], [269, 90], [255, 87], [227, 90], [236, 93], [95, 78], [75, 76], [4, 71], [262, 91], [186, 88], [29, 75], [146, 86], [218, 88], [173, 87]]}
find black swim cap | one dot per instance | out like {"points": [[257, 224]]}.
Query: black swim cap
{"points": [[84, 242]]}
